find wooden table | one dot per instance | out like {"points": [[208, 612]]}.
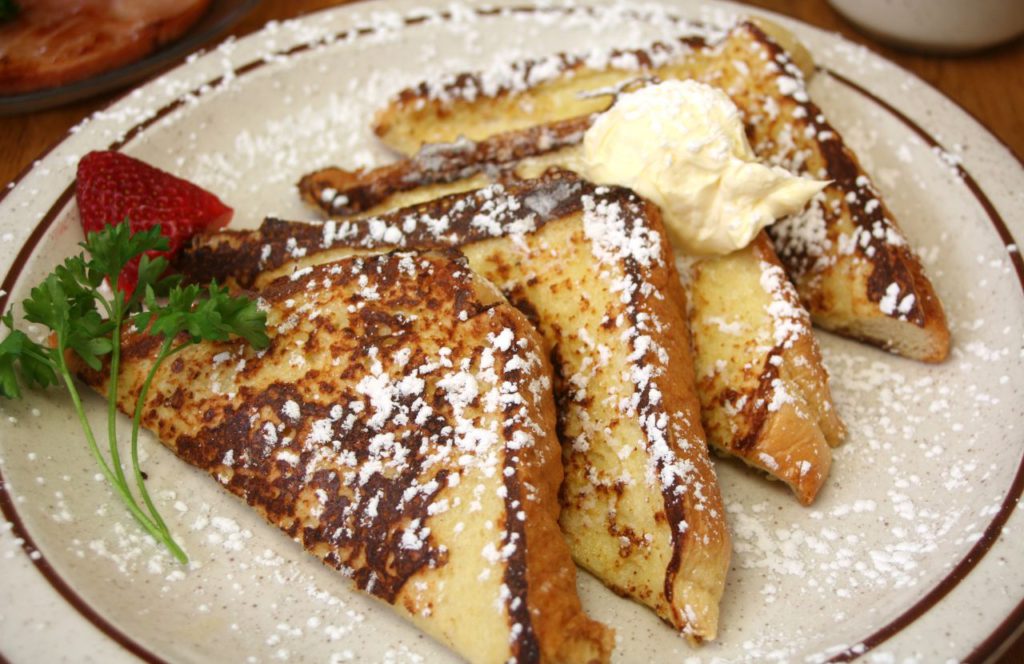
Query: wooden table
{"points": [[990, 85]]}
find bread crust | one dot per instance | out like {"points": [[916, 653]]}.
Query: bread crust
{"points": [[640, 504], [852, 265], [764, 390], [402, 404]]}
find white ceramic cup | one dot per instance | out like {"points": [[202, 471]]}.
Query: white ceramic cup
{"points": [[938, 26]]}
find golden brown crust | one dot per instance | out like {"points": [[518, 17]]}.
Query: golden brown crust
{"points": [[341, 193], [876, 292], [564, 630], [54, 43], [241, 257], [793, 47], [558, 247], [394, 386], [763, 400], [700, 571], [763, 388], [607, 512], [851, 264]]}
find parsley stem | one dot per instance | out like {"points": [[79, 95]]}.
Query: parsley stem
{"points": [[86, 427], [71, 302], [140, 402], [121, 488], [116, 317], [160, 529]]}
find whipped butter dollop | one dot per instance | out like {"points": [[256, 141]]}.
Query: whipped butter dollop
{"points": [[681, 145]]}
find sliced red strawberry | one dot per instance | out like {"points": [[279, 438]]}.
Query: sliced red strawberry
{"points": [[112, 186]]}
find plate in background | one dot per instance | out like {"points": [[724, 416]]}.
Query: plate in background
{"points": [[219, 17]]}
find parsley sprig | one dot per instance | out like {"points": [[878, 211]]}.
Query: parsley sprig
{"points": [[85, 320]]}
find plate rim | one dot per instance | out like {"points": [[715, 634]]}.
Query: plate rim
{"points": [[983, 650]]}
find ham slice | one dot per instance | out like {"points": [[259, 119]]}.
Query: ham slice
{"points": [[54, 42]]}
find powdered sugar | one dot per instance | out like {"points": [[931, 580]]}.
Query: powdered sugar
{"points": [[890, 453], [616, 236]]}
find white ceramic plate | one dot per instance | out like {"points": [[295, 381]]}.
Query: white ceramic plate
{"points": [[912, 552]]}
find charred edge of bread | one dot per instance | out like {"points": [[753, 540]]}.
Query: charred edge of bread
{"points": [[239, 257], [766, 402], [788, 42], [802, 365], [920, 332], [876, 262], [421, 97], [564, 633], [546, 620], [684, 588], [709, 578], [467, 89], [338, 192]]}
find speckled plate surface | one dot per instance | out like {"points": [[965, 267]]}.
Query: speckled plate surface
{"points": [[913, 551]]}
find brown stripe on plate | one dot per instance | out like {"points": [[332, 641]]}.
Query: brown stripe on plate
{"points": [[995, 527], [62, 587], [1012, 627], [959, 572]]}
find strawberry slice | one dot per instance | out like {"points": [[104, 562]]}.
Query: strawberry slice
{"points": [[112, 186]]}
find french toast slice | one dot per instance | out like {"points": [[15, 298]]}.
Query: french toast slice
{"points": [[764, 392], [463, 163], [852, 265], [401, 428], [591, 267]]}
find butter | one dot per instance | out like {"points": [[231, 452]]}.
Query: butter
{"points": [[681, 145]]}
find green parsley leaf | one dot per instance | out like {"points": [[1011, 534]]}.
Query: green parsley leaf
{"points": [[32, 359], [212, 314], [112, 248], [49, 304], [152, 274], [68, 308], [72, 303], [241, 317]]}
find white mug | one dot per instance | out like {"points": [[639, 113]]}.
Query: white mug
{"points": [[941, 26]]}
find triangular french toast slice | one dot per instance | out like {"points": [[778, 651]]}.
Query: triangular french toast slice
{"points": [[401, 428], [592, 268], [851, 263], [764, 392]]}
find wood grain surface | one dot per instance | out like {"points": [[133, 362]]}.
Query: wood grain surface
{"points": [[989, 85]]}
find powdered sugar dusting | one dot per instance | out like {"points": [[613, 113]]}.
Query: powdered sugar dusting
{"points": [[302, 608]]}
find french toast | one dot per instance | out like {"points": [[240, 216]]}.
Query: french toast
{"points": [[852, 265], [401, 428], [764, 393], [592, 268]]}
